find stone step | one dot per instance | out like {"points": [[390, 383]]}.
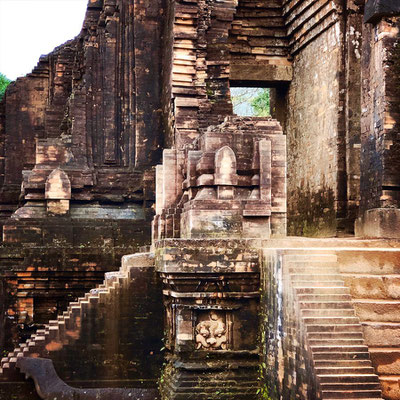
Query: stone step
{"points": [[317, 268], [307, 284], [335, 342], [335, 290], [334, 321], [316, 277], [352, 394], [348, 378], [337, 312], [344, 370], [325, 305], [338, 348], [324, 297], [340, 363], [336, 328], [335, 335], [350, 386], [310, 257], [55, 329]]}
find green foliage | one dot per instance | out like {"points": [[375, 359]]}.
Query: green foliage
{"points": [[263, 391], [4, 82], [261, 104], [249, 101]]}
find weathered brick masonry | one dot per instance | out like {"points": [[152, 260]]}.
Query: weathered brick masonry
{"points": [[79, 137], [133, 118], [323, 123], [380, 179]]}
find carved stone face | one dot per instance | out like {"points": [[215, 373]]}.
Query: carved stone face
{"points": [[211, 333]]}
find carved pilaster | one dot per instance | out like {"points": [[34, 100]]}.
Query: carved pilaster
{"points": [[211, 298]]}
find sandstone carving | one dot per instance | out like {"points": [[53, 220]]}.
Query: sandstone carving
{"points": [[211, 334], [126, 138]]}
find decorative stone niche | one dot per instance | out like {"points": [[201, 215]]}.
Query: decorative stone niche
{"points": [[58, 192], [211, 297], [213, 330]]}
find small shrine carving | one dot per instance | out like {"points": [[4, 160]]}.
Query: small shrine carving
{"points": [[211, 333], [231, 183]]}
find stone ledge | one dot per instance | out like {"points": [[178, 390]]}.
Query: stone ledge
{"points": [[377, 9], [261, 73]]}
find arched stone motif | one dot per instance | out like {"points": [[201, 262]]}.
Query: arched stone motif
{"points": [[58, 186], [58, 193], [225, 167]]}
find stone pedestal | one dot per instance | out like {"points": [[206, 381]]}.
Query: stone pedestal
{"points": [[211, 298], [230, 183], [211, 197]]}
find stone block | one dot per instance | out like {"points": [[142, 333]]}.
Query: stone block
{"points": [[137, 260], [57, 207], [373, 261], [378, 334], [96, 236], [386, 360], [58, 235], [390, 386], [378, 310], [211, 223], [379, 223], [58, 186], [373, 286], [378, 9], [261, 73]]}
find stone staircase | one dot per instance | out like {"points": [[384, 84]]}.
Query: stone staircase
{"points": [[374, 281], [332, 333], [66, 328]]}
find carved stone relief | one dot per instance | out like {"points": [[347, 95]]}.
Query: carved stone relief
{"points": [[211, 332]]}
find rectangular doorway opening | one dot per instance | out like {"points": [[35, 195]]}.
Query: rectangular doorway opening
{"points": [[251, 101]]}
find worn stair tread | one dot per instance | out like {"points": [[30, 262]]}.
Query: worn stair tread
{"points": [[335, 335], [336, 328], [323, 290], [350, 375], [324, 297], [347, 394], [343, 348], [316, 277], [355, 369], [307, 268], [331, 312], [376, 301], [331, 320], [306, 284], [316, 305], [336, 342]]}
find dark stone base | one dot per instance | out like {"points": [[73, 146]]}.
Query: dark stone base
{"points": [[377, 9], [379, 223], [230, 381]]}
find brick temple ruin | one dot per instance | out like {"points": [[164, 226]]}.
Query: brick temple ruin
{"points": [[260, 255]]}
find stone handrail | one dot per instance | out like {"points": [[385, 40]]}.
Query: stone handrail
{"points": [[49, 386]]}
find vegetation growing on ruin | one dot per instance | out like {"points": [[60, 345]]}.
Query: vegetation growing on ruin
{"points": [[4, 82]]}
